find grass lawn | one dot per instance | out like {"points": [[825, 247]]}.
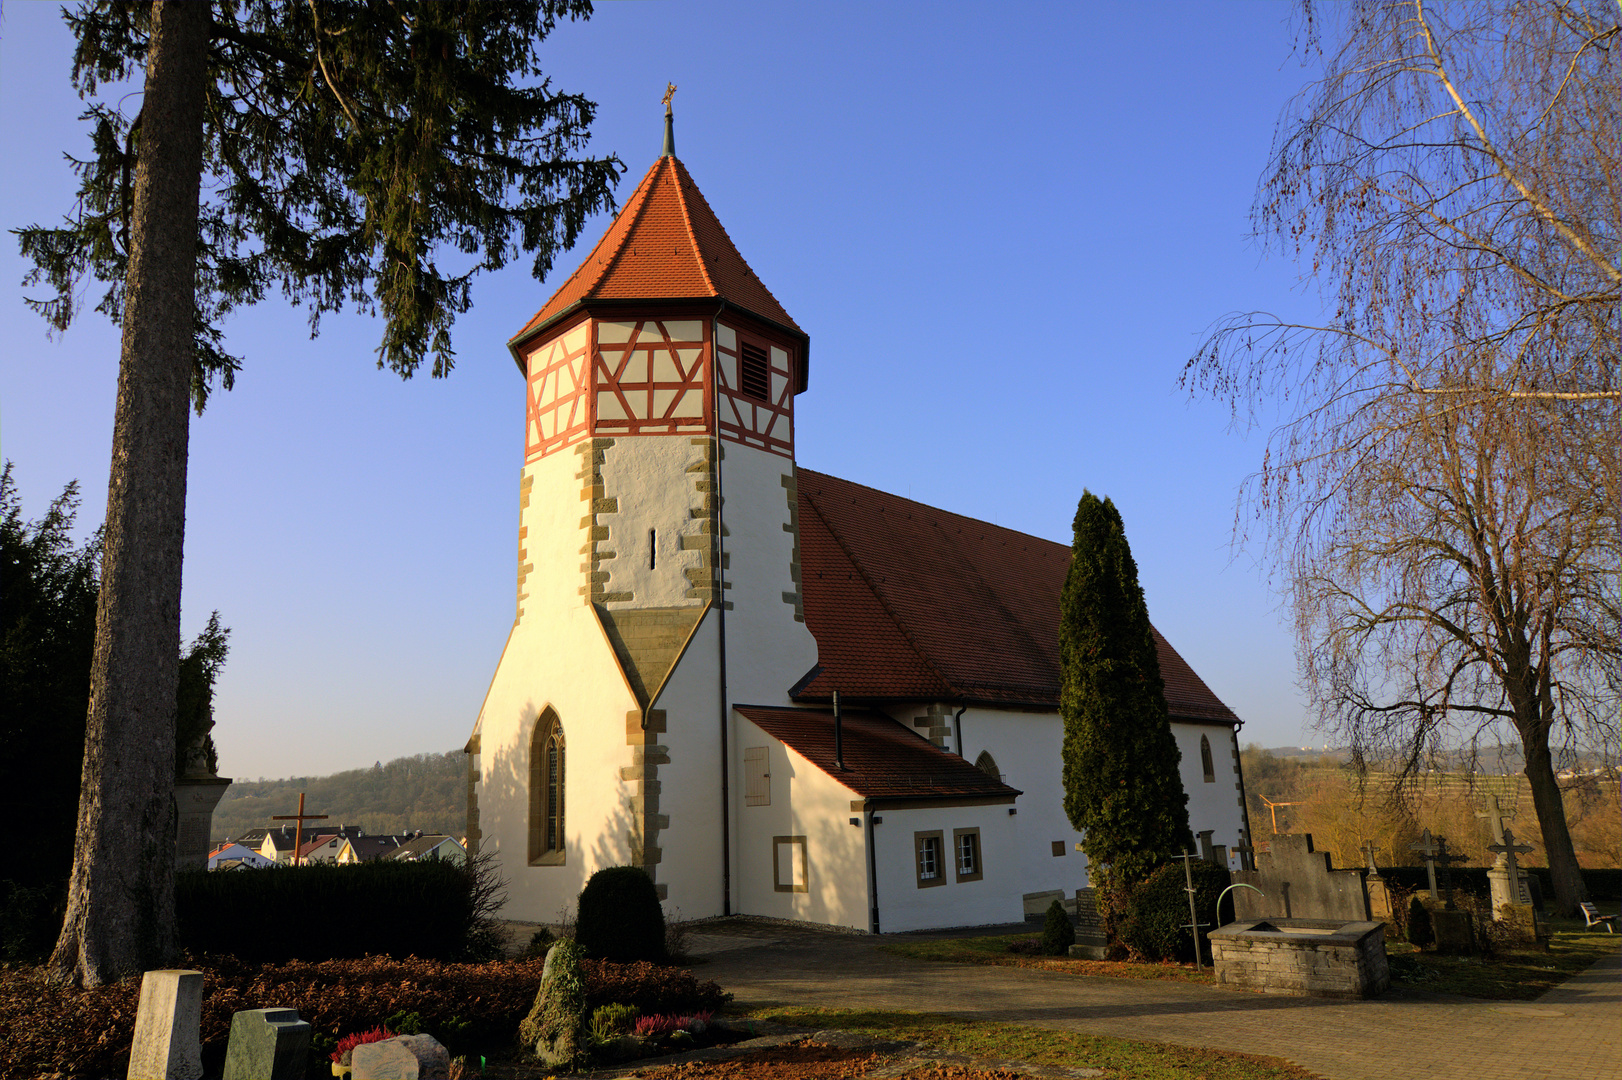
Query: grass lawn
{"points": [[987, 1040], [994, 950], [1508, 976]]}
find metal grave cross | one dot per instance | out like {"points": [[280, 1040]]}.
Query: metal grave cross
{"points": [[1507, 851], [1446, 859], [1194, 923], [301, 817], [1427, 848]]}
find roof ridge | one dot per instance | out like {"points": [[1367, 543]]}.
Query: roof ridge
{"points": [[642, 197], [681, 171], [883, 602], [639, 198], [687, 223]]}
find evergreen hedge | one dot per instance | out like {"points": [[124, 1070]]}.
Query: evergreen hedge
{"points": [[1154, 924], [326, 912]]}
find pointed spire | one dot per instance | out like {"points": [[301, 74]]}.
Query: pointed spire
{"points": [[670, 123]]}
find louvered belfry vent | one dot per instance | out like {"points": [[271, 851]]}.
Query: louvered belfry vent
{"points": [[756, 377]]}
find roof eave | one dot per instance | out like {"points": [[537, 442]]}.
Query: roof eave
{"points": [[802, 372]]}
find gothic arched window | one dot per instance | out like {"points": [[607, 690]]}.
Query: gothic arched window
{"points": [[988, 765], [1205, 760], [546, 784]]}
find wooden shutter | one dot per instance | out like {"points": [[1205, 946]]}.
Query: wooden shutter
{"points": [[757, 777]]}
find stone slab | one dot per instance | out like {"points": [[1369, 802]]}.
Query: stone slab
{"points": [[404, 1057], [167, 1021], [267, 1044]]}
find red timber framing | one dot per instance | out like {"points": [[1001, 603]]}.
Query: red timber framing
{"points": [[766, 423], [651, 376], [558, 407]]}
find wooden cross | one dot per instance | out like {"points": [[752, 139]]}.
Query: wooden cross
{"points": [[1273, 806], [1427, 848], [670, 92], [301, 817]]}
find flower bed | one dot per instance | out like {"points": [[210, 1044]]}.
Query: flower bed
{"points": [[87, 1033]]}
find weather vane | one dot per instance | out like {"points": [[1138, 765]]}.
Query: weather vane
{"points": [[670, 92]]}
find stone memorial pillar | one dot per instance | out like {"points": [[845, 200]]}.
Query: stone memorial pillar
{"points": [[166, 1045], [267, 1044], [195, 800]]}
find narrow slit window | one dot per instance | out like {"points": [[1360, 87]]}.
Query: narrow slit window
{"points": [[756, 380], [1205, 760], [653, 549]]}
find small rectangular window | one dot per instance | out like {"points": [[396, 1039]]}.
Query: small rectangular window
{"points": [[966, 844], [1058, 848], [927, 846], [789, 869], [756, 380], [757, 777]]}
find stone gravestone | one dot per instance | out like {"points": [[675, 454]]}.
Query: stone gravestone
{"points": [[404, 1057], [166, 1045], [1299, 883], [267, 1044], [1511, 901], [1379, 893]]}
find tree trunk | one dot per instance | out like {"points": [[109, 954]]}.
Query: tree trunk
{"points": [[121, 903], [1569, 890]]}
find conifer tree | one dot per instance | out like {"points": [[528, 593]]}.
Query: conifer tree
{"points": [[347, 145], [1122, 787]]}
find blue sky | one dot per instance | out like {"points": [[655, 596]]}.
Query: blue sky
{"points": [[1005, 228]]}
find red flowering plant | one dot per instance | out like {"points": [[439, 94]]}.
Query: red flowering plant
{"points": [[347, 1044]]}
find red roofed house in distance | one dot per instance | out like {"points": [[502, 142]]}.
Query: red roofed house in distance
{"points": [[689, 602]]}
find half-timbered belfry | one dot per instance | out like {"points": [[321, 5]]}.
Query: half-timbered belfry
{"points": [[688, 602]]}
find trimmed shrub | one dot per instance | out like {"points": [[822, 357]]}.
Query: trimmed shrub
{"points": [[327, 912], [1154, 924], [619, 918], [1058, 933], [1419, 924]]}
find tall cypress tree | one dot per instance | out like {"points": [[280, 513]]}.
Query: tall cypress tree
{"points": [[1121, 781]]}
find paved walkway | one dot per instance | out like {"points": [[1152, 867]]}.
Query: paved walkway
{"points": [[1574, 1032]]}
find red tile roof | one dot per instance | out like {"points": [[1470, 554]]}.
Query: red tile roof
{"points": [[908, 602], [883, 759], [666, 244]]}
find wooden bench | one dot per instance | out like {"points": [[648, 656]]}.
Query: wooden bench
{"points": [[1591, 913]]}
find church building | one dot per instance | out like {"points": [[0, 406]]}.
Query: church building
{"points": [[781, 693]]}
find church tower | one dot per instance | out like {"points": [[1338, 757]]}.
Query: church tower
{"points": [[658, 578]]}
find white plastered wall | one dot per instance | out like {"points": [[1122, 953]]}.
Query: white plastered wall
{"points": [[992, 900], [767, 649], [1028, 748], [690, 784], [805, 801], [647, 477], [1213, 805]]}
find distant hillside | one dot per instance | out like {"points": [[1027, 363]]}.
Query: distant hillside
{"points": [[427, 792]]}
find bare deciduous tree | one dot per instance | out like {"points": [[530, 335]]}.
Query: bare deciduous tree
{"points": [[1442, 496]]}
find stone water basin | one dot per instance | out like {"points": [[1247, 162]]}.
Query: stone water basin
{"points": [[1302, 957]]}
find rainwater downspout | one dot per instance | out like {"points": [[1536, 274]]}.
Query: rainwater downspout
{"points": [[957, 724], [721, 625], [872, 872]]}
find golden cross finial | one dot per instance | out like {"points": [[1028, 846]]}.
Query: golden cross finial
{"points": [[670, 92]]}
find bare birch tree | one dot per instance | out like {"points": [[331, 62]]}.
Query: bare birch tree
{"points": [[1441, 497]]}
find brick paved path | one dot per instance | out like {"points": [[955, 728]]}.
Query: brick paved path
{"points": [[1572, 1033]]}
